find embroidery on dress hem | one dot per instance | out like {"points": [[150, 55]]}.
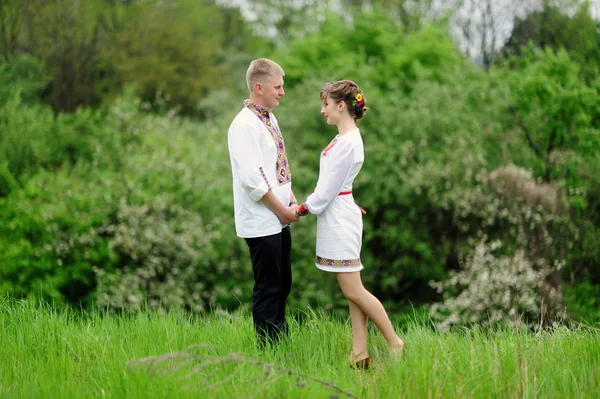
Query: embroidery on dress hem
{"points": [[338, 262]]}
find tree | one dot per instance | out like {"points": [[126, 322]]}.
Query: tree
{"points": [[552, 27], [283, 20], [552, 106], [168, 48], [556, 112], [68, 36], [479, 26], [413, 14], [11, 20]]}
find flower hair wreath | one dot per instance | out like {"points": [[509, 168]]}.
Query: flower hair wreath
{"points": [[359, 101]]}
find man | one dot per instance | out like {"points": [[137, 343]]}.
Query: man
{"points": [[263, 199]]}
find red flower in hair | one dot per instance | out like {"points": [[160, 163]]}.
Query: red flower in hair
{"points": [[359, 101]]}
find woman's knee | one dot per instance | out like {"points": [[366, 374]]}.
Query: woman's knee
{"points": [[353, 294], [351, 286]]}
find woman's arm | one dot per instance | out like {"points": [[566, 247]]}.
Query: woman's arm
{"points": [[336, 167]]}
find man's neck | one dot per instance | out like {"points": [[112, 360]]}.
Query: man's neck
{"points": [[258, 101]]}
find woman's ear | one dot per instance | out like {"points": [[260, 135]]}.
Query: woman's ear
{"points": [[342, 106]]}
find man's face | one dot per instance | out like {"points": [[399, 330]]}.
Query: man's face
{"points": [[272, 91]]}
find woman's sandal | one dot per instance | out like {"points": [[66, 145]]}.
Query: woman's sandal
{"points": [[362, 364]]}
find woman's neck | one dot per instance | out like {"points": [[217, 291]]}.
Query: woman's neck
{"points": [[345, 126]]}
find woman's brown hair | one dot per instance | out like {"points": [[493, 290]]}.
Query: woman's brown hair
{"points": [[350, 93]]}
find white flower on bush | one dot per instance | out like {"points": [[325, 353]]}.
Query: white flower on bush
{"points": [[491, 288]]}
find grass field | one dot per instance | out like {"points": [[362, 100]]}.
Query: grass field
{"points": [[49, 353]]}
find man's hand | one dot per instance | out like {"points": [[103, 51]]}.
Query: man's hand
{"points": [[288, 215], [285, 214]]}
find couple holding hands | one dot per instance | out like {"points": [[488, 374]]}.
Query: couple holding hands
{"points": [[265, 206]]}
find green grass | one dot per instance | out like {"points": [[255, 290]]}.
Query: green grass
{"points": [[50, 353]]}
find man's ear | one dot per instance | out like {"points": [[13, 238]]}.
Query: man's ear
{"points": [[258, 88]]}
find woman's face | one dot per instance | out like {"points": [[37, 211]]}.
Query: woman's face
{"points": [[332, 110]]}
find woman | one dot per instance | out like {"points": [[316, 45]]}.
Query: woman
{"points": [[339, 223]]}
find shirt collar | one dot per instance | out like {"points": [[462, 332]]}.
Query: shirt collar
{"points": [[257, 109]]}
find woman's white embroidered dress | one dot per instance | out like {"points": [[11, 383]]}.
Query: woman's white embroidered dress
{"points": [[339, 220]]}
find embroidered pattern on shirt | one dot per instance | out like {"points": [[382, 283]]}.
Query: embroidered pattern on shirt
{"points": [[338, 262], [281, 165], [262, 172], [326, 149]]}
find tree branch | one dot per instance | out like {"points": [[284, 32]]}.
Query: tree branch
{"points": [[528, 137], [3, 33], [201, 362]]}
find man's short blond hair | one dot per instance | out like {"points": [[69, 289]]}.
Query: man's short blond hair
{"points": [[260, 70]]}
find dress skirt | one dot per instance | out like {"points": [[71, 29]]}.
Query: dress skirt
{"points": [[339, 236]]}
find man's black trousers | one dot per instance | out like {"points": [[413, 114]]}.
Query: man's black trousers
{"points": [[272, 267]]}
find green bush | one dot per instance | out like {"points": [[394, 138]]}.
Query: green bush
{"points": [[32, 137], [491, 289], [510, 272], [436, 128], [26, 76], [24, 131], [145, 217], [47, 246], [117, 207], [583, 301]]}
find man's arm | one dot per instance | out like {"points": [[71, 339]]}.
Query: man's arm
{"points": [[285, 214], [247, 159], [293, 200]]}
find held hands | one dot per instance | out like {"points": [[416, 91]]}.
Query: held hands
{"points": [[289, 215], [285, 214]]}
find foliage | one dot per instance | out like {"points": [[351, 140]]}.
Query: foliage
{"points": [[11, 20], [534, 218], [148, 221], [179, 40], [162, 249], [552, 28], [498, 289], [91, 50], [434, 179], [21, 131], [32, 137], [25, 76], [553, 108], [556, 114], [69, 38], [117, 206], [513, 275], [583, 301]]}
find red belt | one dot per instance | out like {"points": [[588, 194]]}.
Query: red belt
{"points": [[350, 192]]}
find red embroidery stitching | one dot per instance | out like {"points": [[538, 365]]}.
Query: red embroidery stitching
{"points": [[326, 150]]}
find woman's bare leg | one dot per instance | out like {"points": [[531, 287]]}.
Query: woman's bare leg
{"points": [[359, 333], [355, 292]]}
